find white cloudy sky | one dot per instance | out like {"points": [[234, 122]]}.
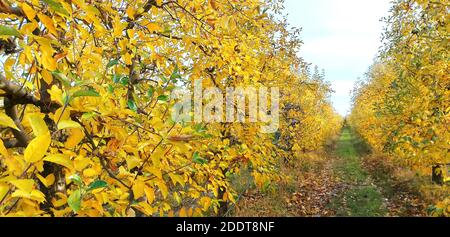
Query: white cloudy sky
{"points": [[340, 36]]}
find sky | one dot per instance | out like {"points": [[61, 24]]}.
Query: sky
{"points": [[340, 36]]}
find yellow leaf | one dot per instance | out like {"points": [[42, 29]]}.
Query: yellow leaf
{"points": [[127, 58], [56, 94], [130, 12], [46, 49], [26, 30], [150, 194], [29, 11], [49, 62], [75, 137], [33, 195], [156, 157], [60, 159], [156, 172], [47, 76], [6, 121], [48, 22], [62, 114], [68, 124], [153, 27], [4, 188], [138, 189], [9, 63], [132, 162], [90, 172], [3, 150], [182, 212], [176, 179], [163, 188], [296, 147], [205, 202], [38, 124], [80, 163], [23, 184], [47, 181], [37, 148]]}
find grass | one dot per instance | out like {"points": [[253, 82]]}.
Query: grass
{"points": [[361, 198], [349, 163], [359, 202]]}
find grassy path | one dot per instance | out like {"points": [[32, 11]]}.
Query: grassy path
{"points": [[361, 197], [338, 181]]}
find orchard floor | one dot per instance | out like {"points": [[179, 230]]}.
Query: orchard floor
{"points": [[344, 180]]}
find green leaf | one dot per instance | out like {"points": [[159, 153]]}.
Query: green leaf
{"points": [[90, 92], [197, 159], [110, 89], [62, 78], [206, 135], [88, 115], [57, 7], [8, 31], [74, 200], [65, 98], [151, 91], [96, 185], [112, 63], [76, 179], [116, 78], [199, 128], [175, 74], [124, 81], [164, 79], [132, 105], [163, 98]]}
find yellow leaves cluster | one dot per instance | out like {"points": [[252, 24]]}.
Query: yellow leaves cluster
{"points": [[38, 147], [402, 108], [6, 121], [403, 102], [26, 189], [106, 112]]}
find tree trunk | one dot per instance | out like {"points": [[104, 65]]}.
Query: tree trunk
{"points": [[223, 208], [437, 176]]}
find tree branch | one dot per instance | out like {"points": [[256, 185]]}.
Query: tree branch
{"points": [[21, 136], [18, 95], [6, 8]]}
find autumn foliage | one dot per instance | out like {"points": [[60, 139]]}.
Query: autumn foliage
{"points": [[403, 107], [85, 115]]}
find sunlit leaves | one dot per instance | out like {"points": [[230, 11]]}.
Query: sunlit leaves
{"points": [[38, 125], [400, 110], [6, 121], [138, 189], [37, 148], [25, 189], [64, 124], [99, 80], [29, 11], [60, 159], [47, 181]]}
